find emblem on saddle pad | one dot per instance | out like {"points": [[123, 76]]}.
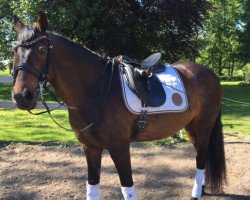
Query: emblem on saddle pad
{"points": [[151, 86]]}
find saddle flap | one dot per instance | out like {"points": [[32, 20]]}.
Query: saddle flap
{"points": [[154, 96], [149, 90]]}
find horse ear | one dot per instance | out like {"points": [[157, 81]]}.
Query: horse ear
{"points": [[42, 22], [17, 24]]}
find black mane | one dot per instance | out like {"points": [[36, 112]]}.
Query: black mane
{"points": [[73, 44], [31, 32]]}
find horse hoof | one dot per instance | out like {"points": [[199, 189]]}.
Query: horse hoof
{"points": [[203, 193], [194, 198]]}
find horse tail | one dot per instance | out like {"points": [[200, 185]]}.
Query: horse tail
{"points": [[216, 165]]}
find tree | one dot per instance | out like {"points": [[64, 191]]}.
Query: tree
{"points": [[220, 39], [135, 28], [7, 33], [4, 33], [244, 36], [244, 33]]}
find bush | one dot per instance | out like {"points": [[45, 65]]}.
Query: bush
{"points": [[244, 83], [2, 66], [232, 78]]}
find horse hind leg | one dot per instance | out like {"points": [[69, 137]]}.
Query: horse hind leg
{"points": [[93, 156], [199, 181], [206, 135], [199, 136]]}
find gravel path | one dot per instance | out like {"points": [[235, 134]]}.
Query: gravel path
{"points": [[10, 105], [6, 79], [38, 172]]}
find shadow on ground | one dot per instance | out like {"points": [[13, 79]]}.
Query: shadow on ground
{"points": [[46, 171]]}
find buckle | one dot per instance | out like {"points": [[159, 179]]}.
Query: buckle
{"points": [[142, 124]]}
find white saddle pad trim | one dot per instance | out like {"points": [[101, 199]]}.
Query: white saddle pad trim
{"points": [[172, 83]]}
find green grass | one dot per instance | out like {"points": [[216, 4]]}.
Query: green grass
{"points": [[5, 72], [5, 91], [236, 116], [20, 126]]}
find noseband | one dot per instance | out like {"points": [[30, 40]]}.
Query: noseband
{"points": [[43, 75]]}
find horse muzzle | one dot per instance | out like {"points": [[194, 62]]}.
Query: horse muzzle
{"points": [[25, 99]]}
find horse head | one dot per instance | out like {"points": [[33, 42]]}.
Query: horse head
{"points": [[30, 65]]}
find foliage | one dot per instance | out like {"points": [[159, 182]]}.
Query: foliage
{"points": [[220, 39], [136, 28], [244, 34], [232, 78], [247, 72], [2, 67]]}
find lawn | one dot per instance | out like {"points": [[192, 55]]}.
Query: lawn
{"points": [[5, 72], [5, 91], [20, 126], [236, 116]]}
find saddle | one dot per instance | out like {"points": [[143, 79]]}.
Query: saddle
{"points": [[142, 80]]}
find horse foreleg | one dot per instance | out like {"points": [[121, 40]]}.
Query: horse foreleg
{"points": [[121, 157], [93, 156]]}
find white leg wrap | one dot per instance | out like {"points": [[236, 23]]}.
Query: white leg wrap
{"points": [[93, 192], [197, 188], [204, 181], [129, 193]]}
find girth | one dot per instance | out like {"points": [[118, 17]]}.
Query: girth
{"points": [[142, 80]]}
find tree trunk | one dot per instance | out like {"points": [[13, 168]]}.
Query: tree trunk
{"points": [[232, 68], [220, 66]]}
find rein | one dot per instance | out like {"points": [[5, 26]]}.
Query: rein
{"points": [[43, 80], [76, 108]]}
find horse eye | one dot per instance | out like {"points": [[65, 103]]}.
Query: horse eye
{"points": [[43, 49]]}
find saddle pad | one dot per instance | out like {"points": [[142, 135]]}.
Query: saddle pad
{"points": [[176, 100]]}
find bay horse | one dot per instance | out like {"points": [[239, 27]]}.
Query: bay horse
{"points": [[74, 72]]}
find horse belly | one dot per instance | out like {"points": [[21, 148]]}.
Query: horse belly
{"points": [[162, 126]]}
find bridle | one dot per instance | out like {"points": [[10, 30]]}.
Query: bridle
{"points": [[43, 80], [43, 75]]}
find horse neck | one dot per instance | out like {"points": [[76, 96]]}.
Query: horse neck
{"points": [[76, 70]]}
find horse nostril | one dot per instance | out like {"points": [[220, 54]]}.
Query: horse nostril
{"points": [[18, 98], [25, 100], [28, 95]]}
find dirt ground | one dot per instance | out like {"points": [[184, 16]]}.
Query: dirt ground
{"points": [[51, 172]]}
